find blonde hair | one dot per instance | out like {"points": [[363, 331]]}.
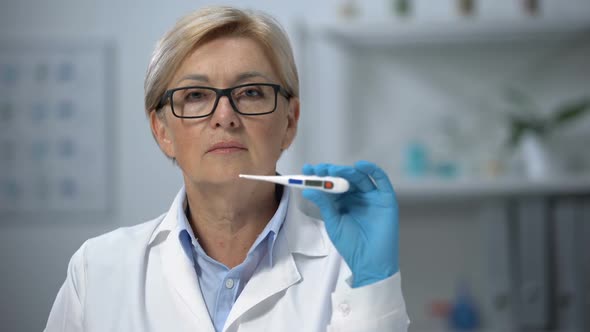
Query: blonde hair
{"points": [[210, 23]]}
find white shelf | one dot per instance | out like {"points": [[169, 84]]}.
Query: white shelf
{"points": [[413, 192], [500, 187], [466, 31]]}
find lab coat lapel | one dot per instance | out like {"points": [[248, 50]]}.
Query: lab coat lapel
{"points": [[299, 234], [179, 271], [267, 281]]}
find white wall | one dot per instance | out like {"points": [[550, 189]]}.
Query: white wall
{"points": [[34, 251]]}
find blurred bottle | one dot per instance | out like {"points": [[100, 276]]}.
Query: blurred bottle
{"points": [[439, 315], [531, 7], [445, 169], [402, 8], [464, 315], [466, 7], [348, 9], [416, 161]]}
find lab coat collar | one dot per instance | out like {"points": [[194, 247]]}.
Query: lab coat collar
{"points": [[306, 237], [300, 234], [169, 221], [178, 268]]}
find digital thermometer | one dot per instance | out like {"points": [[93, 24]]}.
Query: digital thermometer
{"points": [[329, 184]]}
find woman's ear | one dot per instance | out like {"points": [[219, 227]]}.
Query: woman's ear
{"points": [[292, 123], [161, 133]]}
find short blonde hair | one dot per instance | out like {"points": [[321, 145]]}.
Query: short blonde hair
{"points": [[209, 23]]}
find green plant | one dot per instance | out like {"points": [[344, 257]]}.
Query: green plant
{"points": [[525, 116]]}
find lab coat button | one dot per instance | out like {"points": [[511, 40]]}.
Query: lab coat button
{"points": [[344, 308], [229, 283]]}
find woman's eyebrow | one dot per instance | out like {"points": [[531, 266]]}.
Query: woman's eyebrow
{"points": [[194, 77], [251, 74], [239, 78]]}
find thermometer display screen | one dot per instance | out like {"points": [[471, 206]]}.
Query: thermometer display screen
{"points": [[313, 183]]}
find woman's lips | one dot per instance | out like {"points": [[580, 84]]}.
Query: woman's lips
{"points": [[226, 147]]}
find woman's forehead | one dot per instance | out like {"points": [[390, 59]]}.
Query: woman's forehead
{"points": [[228, 59]]}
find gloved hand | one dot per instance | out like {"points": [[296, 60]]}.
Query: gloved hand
{"points": [[363, 222]]}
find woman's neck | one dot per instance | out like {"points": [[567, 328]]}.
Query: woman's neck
{"points": [[228, 219]]}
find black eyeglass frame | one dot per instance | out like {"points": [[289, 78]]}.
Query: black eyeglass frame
{"points": [[167, 98]]}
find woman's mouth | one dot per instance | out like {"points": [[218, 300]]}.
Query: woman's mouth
{"points": [[226, 147]]}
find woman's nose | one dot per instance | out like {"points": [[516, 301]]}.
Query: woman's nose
{"points": [[224, 115]]}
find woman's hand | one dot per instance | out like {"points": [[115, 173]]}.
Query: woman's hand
{"points": [[363, 222]]}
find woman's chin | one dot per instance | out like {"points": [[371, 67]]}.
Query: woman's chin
{"points": [[225, 173], [218, 176]]}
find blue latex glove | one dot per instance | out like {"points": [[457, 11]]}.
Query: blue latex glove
{"points": [[363, 222]]}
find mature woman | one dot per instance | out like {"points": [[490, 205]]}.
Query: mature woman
{"points": [[222, 98]]}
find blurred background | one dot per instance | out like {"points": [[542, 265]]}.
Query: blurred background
{"points": [[478, 110]]}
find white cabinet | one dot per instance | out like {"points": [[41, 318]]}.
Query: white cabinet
{"points": [[369, 89]]}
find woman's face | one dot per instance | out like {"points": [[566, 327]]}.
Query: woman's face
{"points": [[215, 149]]}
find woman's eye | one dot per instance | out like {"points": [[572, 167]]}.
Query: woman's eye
{"points": [[198, 96], [252, 93], [194, 96]]}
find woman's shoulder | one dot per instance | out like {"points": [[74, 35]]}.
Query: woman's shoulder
{"points": [[120, 244], [127, 234]]}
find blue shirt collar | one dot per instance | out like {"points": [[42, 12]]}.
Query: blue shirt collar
{"points": [[189, 241]]}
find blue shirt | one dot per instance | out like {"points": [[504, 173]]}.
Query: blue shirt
{"points": [[220, 285]]}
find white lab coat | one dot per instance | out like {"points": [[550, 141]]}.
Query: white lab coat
{"points": [[140, 279]]}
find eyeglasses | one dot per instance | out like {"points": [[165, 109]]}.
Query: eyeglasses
{"points": [[201, 101]]}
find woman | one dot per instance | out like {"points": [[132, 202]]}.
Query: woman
{"points": [[222, 97]]}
